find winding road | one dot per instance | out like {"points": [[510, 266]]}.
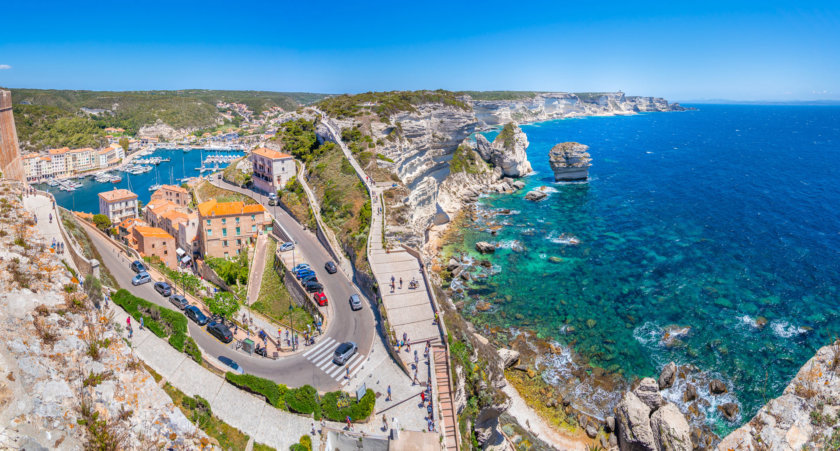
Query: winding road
{"points": [[312, 365]]}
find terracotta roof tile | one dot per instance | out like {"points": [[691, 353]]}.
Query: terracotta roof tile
{"points": [[272, 154], [152, 232], [117, 194], [215, 208]]}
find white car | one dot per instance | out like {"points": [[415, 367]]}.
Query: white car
{"points": [[287, 246]]}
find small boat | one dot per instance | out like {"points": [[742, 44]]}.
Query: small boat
{"points": [[116, 179], [154, 187]]}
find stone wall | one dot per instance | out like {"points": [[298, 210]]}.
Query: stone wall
{"points": [[11, 164]]}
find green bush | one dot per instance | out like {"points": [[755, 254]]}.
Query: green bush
{"points": [[192, 350], [303, 400], [177, 341], [272, 392], [169, 322], [298, 447], [357, 411]]}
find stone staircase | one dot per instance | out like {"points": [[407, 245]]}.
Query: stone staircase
{"points": [[445, 398]]}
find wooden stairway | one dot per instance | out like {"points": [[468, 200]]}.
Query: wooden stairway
{"points": [[445, 398]]}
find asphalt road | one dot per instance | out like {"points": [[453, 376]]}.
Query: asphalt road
{"points": [[314, 365]]}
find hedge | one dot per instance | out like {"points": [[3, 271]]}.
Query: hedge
{"points": [[273, 393], [304, 444], [357, 411], [193, 350], [304, 400], [177, 341]]}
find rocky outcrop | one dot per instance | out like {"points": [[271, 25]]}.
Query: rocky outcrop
{"points": [[570, 161], [484, 247], [648, 393], [507, 151], [558, 105], [633, 423], [803, 417], [487, 421], [509, 357], [670, 429], [536, 195], [668, 376]]}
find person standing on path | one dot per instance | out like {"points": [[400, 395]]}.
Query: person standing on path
{"points": [[384, 423], [408, 346], [400, 283], [347, 373], [323, 425], [389, 393], [422, 398], [142, 323], [128, 322], [349, 423], [313, 429]]}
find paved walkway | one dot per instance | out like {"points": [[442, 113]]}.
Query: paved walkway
{"points": [[257, 268], [410, 311]]}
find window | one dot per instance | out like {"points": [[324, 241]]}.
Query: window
{"points": [[253, 228], [238, 232], [239, 242], [165, 252], [226, 255], [224, 221], [208, 222], [224, 232], [237, 219], [253, 217], [224, 243], [209, 232]]}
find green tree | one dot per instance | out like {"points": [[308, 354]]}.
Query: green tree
{"points": [[223, 304], [124, 143], [101, 222]]}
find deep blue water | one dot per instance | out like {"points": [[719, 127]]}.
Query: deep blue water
{"points": [[717, 219], [182, 164]]}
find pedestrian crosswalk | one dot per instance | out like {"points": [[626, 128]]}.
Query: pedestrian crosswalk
{"points": [[321, 355]]}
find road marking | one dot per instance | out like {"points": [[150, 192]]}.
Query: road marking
{"points": [[335, 371], [324, 359], [326, 349], [318, 346], [359, 365]]}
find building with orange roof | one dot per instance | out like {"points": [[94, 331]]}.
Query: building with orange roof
{"points": [[125, 230], [154, 241], [173, 193], [272, 169], [226, 228], [118, 204], [153, 211]]}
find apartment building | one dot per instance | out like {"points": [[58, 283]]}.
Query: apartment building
{"points": [[175, 194], [118, 204], [226, 228], [154, 241], [272, 169]]}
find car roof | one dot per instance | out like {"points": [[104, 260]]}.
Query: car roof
{"points": [[355, 297], [345, 346]]}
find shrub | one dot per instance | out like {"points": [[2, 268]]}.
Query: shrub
{"points": [[192, 350], [161, 321], [177, 341], [304, 400], [357, 411], [272, 392]]}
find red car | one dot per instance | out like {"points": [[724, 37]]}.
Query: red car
{"points": [[320, 298]]}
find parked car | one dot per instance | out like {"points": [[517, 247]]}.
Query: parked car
{"points": [[355, 302], [320, 298], [330, 267], [272, 199], [229, 362], [309, 278], [287, 246], [301, 266], [304, 273], [179, 301], [141, 278], [220, 331], [163, 288], [192, 312], [313, 286], [138, 266], [343, 352]]}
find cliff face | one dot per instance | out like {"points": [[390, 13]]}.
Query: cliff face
{"points": [[804, 417], [546, 106], [507, 152], [569, 161]]}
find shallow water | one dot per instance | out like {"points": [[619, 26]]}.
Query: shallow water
{"points": [[704, 222]]}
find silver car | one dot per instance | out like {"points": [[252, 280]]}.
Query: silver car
{"points": [[355, 302], [344, 352]]}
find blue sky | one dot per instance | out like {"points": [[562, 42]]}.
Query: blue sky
{"points": [[679, 50]]}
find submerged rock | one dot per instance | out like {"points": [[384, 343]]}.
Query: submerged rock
{"points": [[535, 196], [668, 376], [670, 429], [717, 387], [507, 151], [729, 410], [570, 161], [484, 247], [690, 393]]}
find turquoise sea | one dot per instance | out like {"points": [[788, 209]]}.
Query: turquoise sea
{"points": [[707, 237], [181, 164]]}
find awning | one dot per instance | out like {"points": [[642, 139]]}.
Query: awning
{"points": [[186, 259], [180, 252]]}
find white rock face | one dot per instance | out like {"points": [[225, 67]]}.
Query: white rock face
{"points": [[558, 105], [570, 161], [509, 154], [670, 429], [633, 423]]}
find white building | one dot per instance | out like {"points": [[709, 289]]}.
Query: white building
{"points": [[118, 205], [272, 169]]}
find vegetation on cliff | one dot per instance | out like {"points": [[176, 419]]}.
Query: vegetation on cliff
{"points": [[466, 160], [500, 95], [42, 127], [507, 135], [387, 103]]}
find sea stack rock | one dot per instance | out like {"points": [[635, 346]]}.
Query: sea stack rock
{"points": [[570, 161], [507, 151]]}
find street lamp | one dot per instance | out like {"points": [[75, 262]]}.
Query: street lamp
{"points": [[292, 322]]}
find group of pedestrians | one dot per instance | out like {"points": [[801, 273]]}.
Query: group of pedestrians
{"points": [[57, 246]]}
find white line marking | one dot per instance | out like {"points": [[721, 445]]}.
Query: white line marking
{"points": [[318, 346], [347, 365], [353, 372], [335, 371], [320, 353], [324, 358]]}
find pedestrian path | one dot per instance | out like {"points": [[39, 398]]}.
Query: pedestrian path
{"points": [[321, 355], [257, 269]]}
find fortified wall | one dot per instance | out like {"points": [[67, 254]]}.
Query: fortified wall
{"points": [[10, 162]]}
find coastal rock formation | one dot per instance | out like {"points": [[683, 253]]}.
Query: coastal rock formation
{"points": [[484, 247], [557, 105], [668, 376], [633, 423], [803, 417], [648, 393], [670, 429], [536, 195], [570, 161], [507, 151]]}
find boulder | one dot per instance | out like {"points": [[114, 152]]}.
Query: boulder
{"points": [[729, 410], [484, 247], [509, 357], [535, 195], [690, 393], [570, 161], [633, 423], [507, 151], [716, 386], [487, 421], [648, 393], [610, 423], [452, 265], [591, 431], [518, 184], [670, 429], [668, 376]]}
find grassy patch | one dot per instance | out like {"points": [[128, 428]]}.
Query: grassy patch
{"points": [[236, 176], [535, 391], [294, 199], [205, 191], [384, 104], [88, 249], [198, 411], [466, 160], [274, 299]]}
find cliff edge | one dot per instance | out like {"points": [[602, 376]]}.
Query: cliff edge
{"points": [[507, 152], [570, 161]]}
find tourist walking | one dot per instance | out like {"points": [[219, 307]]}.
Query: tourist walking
{"points": [[423, 398], [142, 323], [384, 422], [349, 423], [50, 218], [128, 322], [389, 393], [400, 283], [313, 428]]}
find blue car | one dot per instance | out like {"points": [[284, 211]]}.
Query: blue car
{"points": [[304, 273], [229, 362], [301, 266], [192, 312], [308, 278]]}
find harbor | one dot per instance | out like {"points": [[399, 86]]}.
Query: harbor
{"points": [[142, 174]]}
